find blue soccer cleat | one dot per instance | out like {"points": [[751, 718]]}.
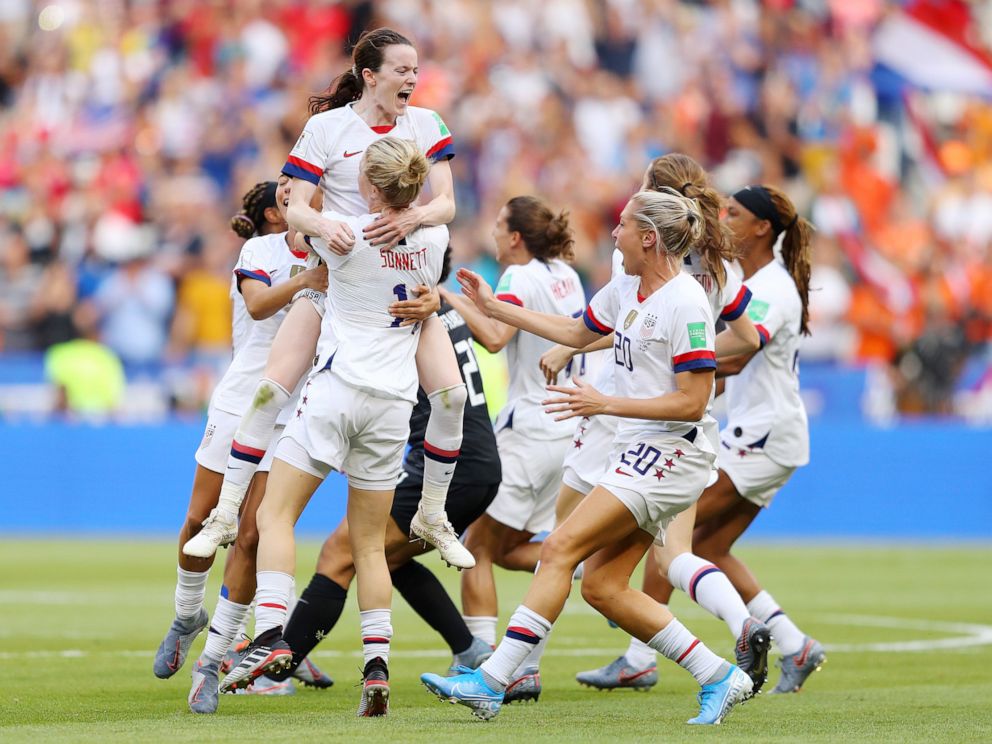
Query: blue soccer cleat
{"points": [[717, 699], [469, 689]]}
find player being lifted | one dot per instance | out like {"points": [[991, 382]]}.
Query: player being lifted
{"points": [[661, 462], [368, 101]]}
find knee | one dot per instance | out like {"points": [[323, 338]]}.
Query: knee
{"points": [[558, 552], [450, 399], [247, 540], [598, 592], [710, 551]]}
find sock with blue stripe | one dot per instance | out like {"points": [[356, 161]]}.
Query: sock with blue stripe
{"points": [[377, 631], [785, 634], [250, 442], [442, 445], [524, 632], [709, 587], [675, 642]]}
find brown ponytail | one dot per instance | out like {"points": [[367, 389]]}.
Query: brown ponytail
{"points": [[797, 252], [368, 54], [687, 177], [545, 234]]}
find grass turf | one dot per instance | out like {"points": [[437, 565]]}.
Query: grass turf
{"points": [[79, 621]]}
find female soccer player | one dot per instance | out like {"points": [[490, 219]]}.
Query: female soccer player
{"points": [[268, 274], [533, 244], [662, 460], [368, 101], [354, 417]]}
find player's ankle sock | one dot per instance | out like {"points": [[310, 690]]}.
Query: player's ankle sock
{"points": [[250, 442], [785, 634], [224, 625], [533, 659], [640, 655], [442, 444], [271, 599], [525, 630], [191, 587], [377, 630], [675, 642], [709, 587], [316, 613], [424, 593], [482, 626]]}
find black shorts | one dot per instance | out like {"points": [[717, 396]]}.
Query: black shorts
{"points": [[465, 504]]}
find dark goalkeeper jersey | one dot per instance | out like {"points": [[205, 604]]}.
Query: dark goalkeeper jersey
{"points": [[479, 460]]}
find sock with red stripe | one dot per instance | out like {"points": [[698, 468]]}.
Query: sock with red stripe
{"points": [[191, 588], [675, 642], [442, 445], [272, 594], [785, 634], [224, 626], [525, 631], [377, 630], [250, 442], [709, 587]]}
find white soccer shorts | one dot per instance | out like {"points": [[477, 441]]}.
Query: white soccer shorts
{"points": [[754, 474], [215, 446], [588, 453]]}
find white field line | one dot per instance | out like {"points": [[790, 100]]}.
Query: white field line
{"points": [[966, 635]]}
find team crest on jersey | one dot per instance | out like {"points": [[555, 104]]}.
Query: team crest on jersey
{"points": [[628, 321], [647, 326]]}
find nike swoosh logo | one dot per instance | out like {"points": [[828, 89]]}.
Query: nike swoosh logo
{"points": [[618, 471], [351, 154]]}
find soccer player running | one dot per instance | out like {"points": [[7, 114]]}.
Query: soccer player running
{"points": [[533, 243], [367, 102], [472, 489], [268, 274], [353, 417], [662, 460]]}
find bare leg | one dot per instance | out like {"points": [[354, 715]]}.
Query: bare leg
{"points": [[206, 489]]}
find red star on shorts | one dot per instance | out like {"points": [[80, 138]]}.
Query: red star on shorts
{"points": [[577, 443], [741, 453], [659, 473], [679, 453], [669, 464], [304, 400], [299, 413]]}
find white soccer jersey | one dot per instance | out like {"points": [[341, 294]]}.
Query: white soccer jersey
{"points": [[268, 259], [764, 409], [359, 340], [603, 380], [727, 302], [328, 151], [554, 288], [656, 337]]}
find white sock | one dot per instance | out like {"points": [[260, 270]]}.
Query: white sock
{"points": [[640, 655], [787, 637], [250, 442], [709, 587], [377, 630], [525, 630], [533, 659], [272, 594], [482, 627], [442, 445], [224, 626], [675, 642], [191, 587]]}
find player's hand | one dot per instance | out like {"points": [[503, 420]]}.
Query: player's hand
{"points": [[475, 289], [554, 360], [582, 400], [390, 227], [338, 236], [315, 278], [425, 303]]}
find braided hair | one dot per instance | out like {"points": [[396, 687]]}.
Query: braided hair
{"points": [[251, 219]]}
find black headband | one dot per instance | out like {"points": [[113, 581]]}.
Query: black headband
{"points": [[269, 195], [758, 202]]}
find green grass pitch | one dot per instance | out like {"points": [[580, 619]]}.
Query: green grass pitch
{"points": [[79, 620]]}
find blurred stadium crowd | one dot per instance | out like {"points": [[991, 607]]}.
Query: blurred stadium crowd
{"points": [[129, 129]]}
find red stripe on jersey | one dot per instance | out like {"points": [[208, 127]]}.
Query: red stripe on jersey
{"points": [[511, 298], [438, 147], [383, 129], [763, 334], [692, 356], [734, 309], [315, 169], [590, 316]]}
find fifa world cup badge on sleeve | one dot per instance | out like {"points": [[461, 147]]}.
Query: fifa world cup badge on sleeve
{"points": [[697, 335]]}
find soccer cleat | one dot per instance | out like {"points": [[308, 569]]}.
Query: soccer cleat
{"points": [[717, 699], [308, 673], [797, 667], [266, 686], [234, 655], [268, 653], [467, 688], [203, 694], [752, 652], [171, 653], [525, 687], [472, 657], [619, 674], [375, 690], [219, 530], [442, 536]]}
